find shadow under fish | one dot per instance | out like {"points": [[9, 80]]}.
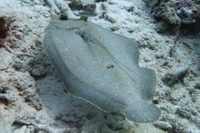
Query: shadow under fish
{"points": [[102, 68]]}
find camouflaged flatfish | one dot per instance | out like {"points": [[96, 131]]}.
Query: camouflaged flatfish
{"points": [[102, 68]]}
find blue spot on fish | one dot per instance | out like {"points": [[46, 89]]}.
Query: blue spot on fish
{"points": [[94, 62], [117, 87], [66, 49], [81, 49]]}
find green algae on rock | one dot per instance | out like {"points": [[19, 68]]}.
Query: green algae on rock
{"points": [[102, 68]]}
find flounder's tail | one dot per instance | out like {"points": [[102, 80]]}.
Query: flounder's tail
{"points": [[143, 112]]}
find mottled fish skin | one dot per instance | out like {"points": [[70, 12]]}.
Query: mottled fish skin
{"points": [[102, 68]]}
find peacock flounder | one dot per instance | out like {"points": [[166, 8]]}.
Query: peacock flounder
{"points": [[102, 68]]}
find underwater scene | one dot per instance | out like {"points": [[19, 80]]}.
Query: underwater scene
{"points": [[100, 66]]}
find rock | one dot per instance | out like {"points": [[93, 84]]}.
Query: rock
{"points": [[192, 110], [146, 128], [5, 100], [190, 89], [175, 76], [189, 12], [151, 3], [59, 6], [161, 27], [198, 1], [183, 113], [106, 129], [37, 2], [38, 72], [163, 125], [176, 14], [87, 5], [77, 4], [196, 120], [168, 15], [108, 14], [21, 130], [3, 27], [53, 6], [100, 0], [110, 18], [159, 55], [147, 58], [197, 86]]}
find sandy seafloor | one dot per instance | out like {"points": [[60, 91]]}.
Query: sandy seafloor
{"points": [[33, 98]]}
